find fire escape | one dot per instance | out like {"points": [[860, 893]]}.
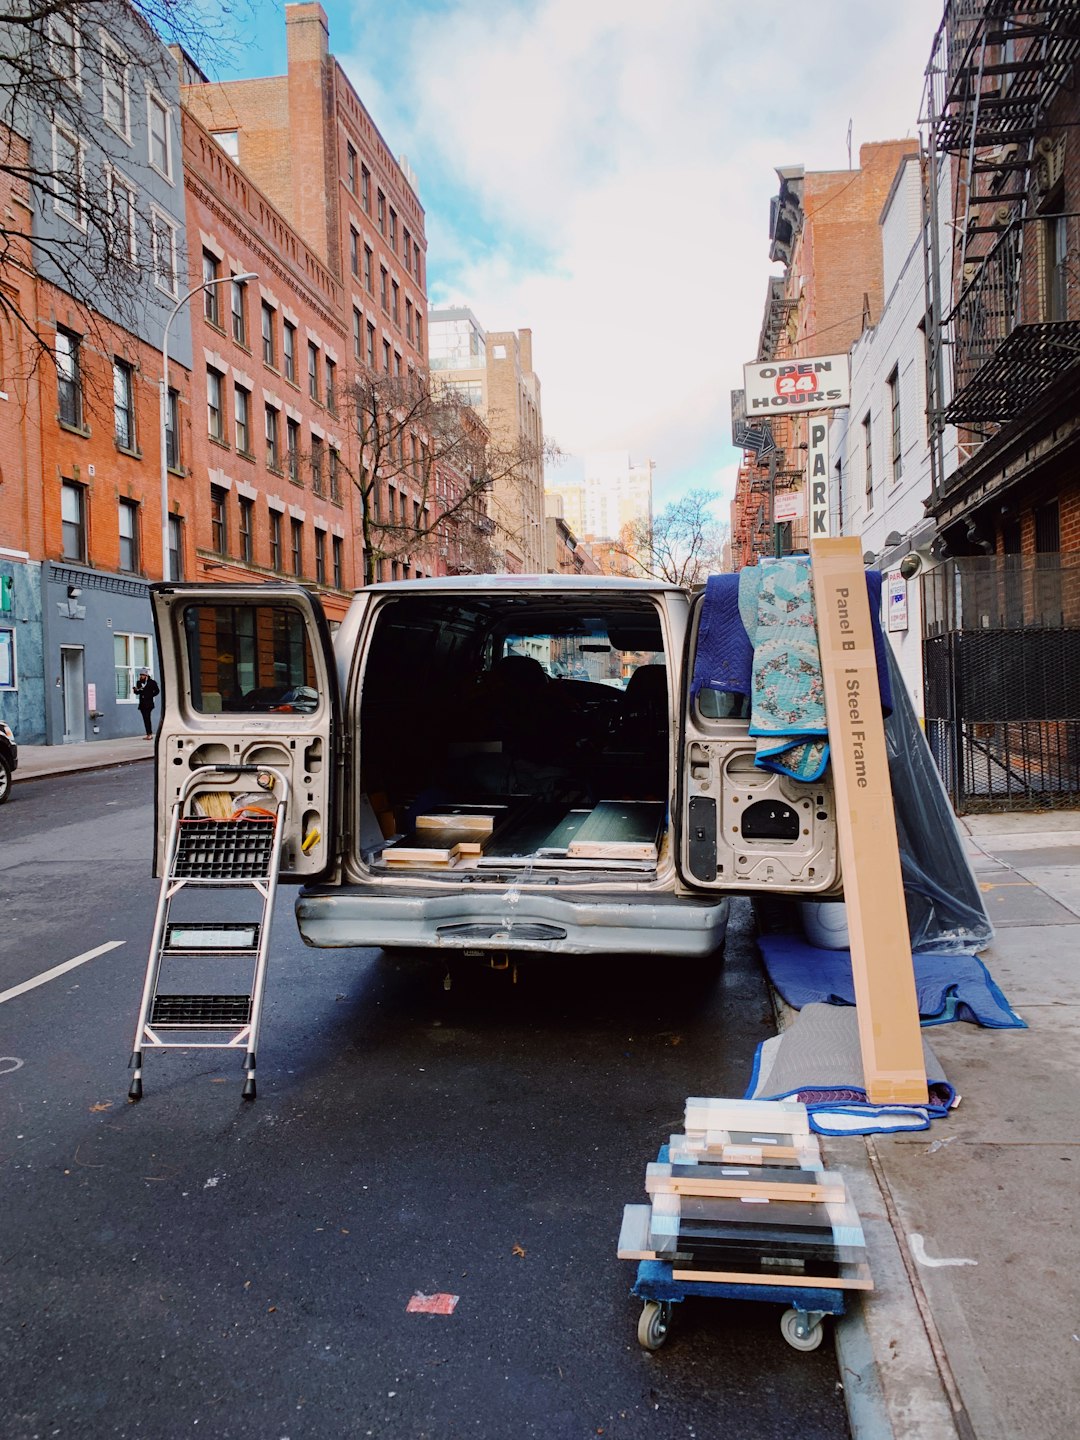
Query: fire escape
{"points": [[996, 69]]}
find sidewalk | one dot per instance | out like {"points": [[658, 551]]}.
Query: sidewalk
{"points": [[974, 1327], [36, 761]]}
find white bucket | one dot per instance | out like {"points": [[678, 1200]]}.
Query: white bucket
{"points": [[825, 923]]}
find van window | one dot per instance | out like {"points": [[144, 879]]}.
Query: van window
{"points": [[253, 658]]}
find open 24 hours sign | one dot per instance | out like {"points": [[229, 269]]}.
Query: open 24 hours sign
{"points": [[815, 383]]}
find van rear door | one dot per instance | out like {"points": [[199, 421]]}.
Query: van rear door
{"points": [[248, 679], [741, 828]]}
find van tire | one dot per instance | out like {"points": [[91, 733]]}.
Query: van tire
{"points": [[5, 780]]}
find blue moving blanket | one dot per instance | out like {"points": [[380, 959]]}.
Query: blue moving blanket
{"points": [[948, 987]]}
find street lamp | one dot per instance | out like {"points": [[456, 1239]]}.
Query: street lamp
{"points": [[164, 406]]}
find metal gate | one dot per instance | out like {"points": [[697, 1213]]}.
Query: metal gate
{"points": [[1002, 670]]}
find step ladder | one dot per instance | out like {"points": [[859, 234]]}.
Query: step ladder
{"points": [[236, 856]]}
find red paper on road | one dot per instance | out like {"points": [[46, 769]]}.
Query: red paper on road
{"points": [[431, 1304]]}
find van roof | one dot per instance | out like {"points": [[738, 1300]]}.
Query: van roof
{"points": [[551, 583]]}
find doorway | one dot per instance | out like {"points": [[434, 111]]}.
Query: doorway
{"points": [[73, 689]]}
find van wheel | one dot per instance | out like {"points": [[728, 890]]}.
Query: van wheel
{"points": [[5, 780]]}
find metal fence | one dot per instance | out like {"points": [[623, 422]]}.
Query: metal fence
{"points": [[1002, 669]]}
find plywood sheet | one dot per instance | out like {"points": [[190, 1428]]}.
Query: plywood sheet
{"points": [[620, 830]]}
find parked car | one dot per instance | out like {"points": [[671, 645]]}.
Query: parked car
{"points": [[448, 792], [9, 760]]}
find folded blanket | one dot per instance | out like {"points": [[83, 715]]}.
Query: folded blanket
{"points": [[948, 987], [724, 658], [818, 1061]]}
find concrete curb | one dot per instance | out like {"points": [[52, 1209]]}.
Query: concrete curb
{"points": [[113, 764]]}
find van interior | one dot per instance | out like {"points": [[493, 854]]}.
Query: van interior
{"points": [[505, 731]]}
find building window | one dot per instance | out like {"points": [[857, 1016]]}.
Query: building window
{"points": [[408, 319], [369, 271], [289, 351], [335, 475], [386, 356], [176, 548], [406, 251], [242, 418], [129, 535], [72, 521], [172, 430], [331, 386], [416, 265], [1055, 247], [350, 165], [297, 528], [211, 271], [316, 465], [219, 524], [395, 303], [335, 553], [247, 510], [268, 351], [365, 188], [215, 414], [292, 439], [239, 319], [163, 241], [381, 212], [275, 540], [384, 288], [69, 176], [357, 333], [893, 383], [160, 148], [393, 229], [868, 461], [273, 454], [320, 557], [121, 207], [354, 251], [397, 364], [124, 405], [419, 333], [115, 107], [69, 378], [371, 346], [131, 653], [229, 140], [313, 370], [63, 47]]}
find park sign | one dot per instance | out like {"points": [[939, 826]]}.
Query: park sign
{"points": [[795, 386]]}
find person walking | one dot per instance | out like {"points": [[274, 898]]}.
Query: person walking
{"points": [[146, 688]]}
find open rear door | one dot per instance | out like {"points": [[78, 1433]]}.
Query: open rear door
{"points": [[741, 828], [248, 679]]}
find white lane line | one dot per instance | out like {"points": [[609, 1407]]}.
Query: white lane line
{"points": [[48, 975], [917, 1246]]}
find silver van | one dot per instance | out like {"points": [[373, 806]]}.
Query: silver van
{"points": [[491, 764]]}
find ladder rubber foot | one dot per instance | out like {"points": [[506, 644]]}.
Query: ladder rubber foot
{"points": [[248, 1092], [135, 1090]]}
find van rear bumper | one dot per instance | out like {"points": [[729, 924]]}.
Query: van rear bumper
{"points": [[334, 917]]}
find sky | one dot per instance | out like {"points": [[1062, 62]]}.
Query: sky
{"points": [[600, 171]]}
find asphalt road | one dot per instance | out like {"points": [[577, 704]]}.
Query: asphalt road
{"points": [[195, 1265]]}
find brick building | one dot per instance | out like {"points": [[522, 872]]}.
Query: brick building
{"points": [[824, 232], [515, 420]]}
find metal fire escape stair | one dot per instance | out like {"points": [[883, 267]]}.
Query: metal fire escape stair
{"points": [[238, 857]]}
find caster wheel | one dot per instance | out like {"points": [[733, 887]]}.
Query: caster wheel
{"points": [[797, 1331], [652, 1329]]}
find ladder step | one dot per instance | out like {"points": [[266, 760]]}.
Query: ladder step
{"points": [[200, 1012], [223, 849], [209, 937]]}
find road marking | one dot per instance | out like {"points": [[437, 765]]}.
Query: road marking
{"points": [[47, 975]]}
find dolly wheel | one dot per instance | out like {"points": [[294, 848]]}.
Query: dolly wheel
{"points": [[653, 1324], [800, 1332]]}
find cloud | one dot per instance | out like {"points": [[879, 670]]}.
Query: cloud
{"points": [[600, 171]]}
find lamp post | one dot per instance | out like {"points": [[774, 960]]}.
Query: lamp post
{"points": [[164, 405]]}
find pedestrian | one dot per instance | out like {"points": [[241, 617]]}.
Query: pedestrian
{"points": [[146, 688]]}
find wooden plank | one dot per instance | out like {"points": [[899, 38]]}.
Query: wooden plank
{"points": [[419, 855], [634, 1234], [739, 1182], [619, 830], [720, 1147], [763, 1118], [465, 821], [881, 964], [853, 1277]]}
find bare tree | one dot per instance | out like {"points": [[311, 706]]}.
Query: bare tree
{"points": [[75, 156], [427, 465], [683, 544]]}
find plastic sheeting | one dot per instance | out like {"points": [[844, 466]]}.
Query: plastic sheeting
{"points": [[946, 914]]}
